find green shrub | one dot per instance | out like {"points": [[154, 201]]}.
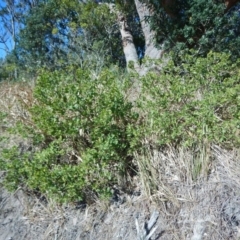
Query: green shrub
{"points": [[84, 131], [193, 103], [81, 130]]}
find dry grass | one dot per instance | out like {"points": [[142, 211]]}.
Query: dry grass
{"points": [[157, 168], [196, 193], [194, 209], [205, 208], [197, 203], [14, 98]]}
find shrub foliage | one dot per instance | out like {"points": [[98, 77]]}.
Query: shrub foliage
{"points": [[81, 129], [85, 132], [195, 102]]}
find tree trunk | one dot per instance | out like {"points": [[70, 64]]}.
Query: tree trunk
{"points": [[150, 50], [129, 48]]}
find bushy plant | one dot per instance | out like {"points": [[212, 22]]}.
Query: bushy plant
{"points": [[81, 130], [195, 102], [84, 131]]}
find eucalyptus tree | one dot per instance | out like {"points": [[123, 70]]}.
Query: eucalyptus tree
{"points": [[58, 33], [175, 25], [180, 25], [62, 32]]}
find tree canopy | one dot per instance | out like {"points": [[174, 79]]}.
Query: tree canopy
{"points": [[56, 33]]}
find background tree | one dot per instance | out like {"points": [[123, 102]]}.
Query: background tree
{"points": [[202, 25], [56, 33], [12, 13], [72, 33]]}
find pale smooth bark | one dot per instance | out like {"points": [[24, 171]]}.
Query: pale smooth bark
{"points": [[150, 49], [129, 48]]}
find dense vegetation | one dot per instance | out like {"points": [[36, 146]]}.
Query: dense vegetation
{"points": [[85, 132]]}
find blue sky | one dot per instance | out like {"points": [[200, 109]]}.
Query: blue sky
{"points": [[2, 51]]}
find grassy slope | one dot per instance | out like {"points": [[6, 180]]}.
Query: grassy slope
{"points": [[207, 208]]}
